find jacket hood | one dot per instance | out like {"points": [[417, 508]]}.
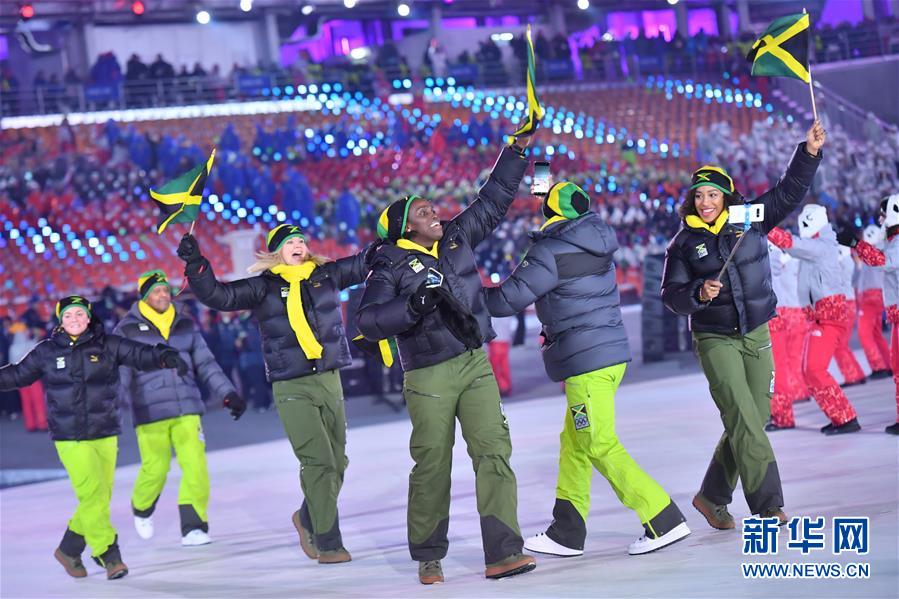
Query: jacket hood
{"points": [[588, 233]]}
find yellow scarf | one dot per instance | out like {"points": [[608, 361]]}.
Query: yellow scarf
{"points": [[162, 321], [411, 245], [553, 221], [697, 223], [293, 274]]}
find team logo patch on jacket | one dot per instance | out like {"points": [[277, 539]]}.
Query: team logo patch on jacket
{"points": [[285, 291], [701, 251], [579, 416], [60, 362], [94, 358], [416, 265]]}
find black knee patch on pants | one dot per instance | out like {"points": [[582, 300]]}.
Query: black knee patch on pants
{"points": [[664, 522], [499, 540], [328, 540], [147, 512], [715, 487], [769, 494], [190, 520], [72, 543], [435, 546], [567, 528]]}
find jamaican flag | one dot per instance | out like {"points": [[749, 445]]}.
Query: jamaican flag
{"points": [[782, 51], [535, 110], [179, 199], [385, 349]]}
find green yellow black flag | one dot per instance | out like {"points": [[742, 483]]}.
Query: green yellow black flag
{"points": [[782, 50], [535, 110], [179, 200]]}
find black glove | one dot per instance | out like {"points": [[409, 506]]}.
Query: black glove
{"points": [[189, 249], [235, 403], [371, 252], [848, 237], [425, 299], [169, 358]]}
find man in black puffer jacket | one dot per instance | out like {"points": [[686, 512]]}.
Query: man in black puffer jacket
{"points": [[568, 271], [166, 409], [79, 366], [424, 290]]}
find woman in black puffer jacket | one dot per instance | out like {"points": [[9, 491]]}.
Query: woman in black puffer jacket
{"points": [[729, 319], [296, 301], [79, 366]]}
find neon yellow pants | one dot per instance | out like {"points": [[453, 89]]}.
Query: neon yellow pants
{"points": [[588, 441], [155, 441], [91, 468]]}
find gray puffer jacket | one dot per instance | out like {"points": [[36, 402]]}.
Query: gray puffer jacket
{"points": [[820, 271], [568, 271], [162, 394]]}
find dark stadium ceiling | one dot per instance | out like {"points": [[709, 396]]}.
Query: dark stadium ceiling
{"points": [[120, 11]]}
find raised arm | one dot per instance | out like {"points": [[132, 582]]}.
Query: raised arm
{"points": [[533, 278], [244, 294], [350, 270], [141, 356], [484, 214], [804, 249], [28, 370]]}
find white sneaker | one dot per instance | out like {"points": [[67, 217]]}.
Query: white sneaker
{"points": [[194, 538], [647, 545], [144, 527], [540, 543]]}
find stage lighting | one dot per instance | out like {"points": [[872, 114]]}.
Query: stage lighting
{"points": [[246, 5], [402, 9], [307, 9], [202, 17], [349, 3], [583, 4], [138, 8], [673, 2], [26, 10]]}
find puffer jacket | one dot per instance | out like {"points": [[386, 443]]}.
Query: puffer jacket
{"points": [[568, 271], [869, 277], [694, 255], [784, 277], [847, 265], [266, 296], [81, 378], [384, 310], [162, 394]]}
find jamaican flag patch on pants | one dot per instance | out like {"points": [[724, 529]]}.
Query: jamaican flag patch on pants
{"points": [[579, 416]]}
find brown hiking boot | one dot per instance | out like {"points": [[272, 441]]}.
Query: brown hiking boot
{"points": [[716, 515], [73, 565], [430, 572], [307, 540], [335, 556], [112, 561], [516, 563], [775, 512]]}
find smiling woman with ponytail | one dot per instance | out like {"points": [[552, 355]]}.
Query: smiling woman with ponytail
{"points": [[296, 301]]}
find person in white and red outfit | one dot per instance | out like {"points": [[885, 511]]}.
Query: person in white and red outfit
{"points": [[821, 286], [789, 330], [849, 367], [869, 296], [889, 260]]}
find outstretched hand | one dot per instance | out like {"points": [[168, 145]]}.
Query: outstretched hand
{"points": [[815, 138], [189, 249]]}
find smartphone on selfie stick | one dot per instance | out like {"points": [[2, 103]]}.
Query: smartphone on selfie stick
{"points": [[541, 178]]}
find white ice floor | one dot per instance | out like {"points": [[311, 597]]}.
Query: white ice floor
{"points": [[669, 426]]}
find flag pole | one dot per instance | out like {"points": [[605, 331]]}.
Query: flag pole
{"points": [[811, 88]]}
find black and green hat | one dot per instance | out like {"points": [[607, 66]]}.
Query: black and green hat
{"points": [[714, 176], [149, 280], [566, 200], [392, 222], [280, 234], [73, 301]]}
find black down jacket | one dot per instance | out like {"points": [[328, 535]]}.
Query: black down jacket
{"points": [[266, 296], [568, 271], [163, 394], [747, 299], [81, 379], [396, 273]]}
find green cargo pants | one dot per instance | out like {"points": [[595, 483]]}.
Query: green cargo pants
{"points": [[740, 371], [155, 441], [312, 412], [588, 440], [462, 387]]}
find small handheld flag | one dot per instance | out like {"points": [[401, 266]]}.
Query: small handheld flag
{"points": [[179, 200], [535, 110]]}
